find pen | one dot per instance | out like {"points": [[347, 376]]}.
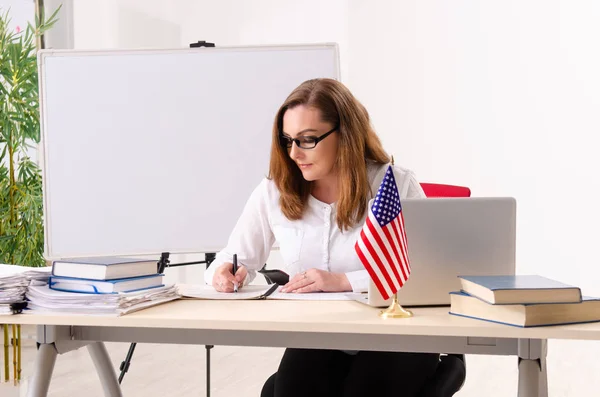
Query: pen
{"points": [[235, 268]]}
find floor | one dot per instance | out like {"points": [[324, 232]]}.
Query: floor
{"points": [[164, 370]]}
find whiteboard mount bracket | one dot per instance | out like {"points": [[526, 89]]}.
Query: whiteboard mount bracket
{"points": [[164, 261], [201, 43]]}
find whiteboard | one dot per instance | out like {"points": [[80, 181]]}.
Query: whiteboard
{"points": [[151, 151]]}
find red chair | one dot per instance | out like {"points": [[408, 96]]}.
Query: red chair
{"points": [[440, 190]]}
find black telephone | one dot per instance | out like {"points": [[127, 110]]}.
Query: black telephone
{"points": [[275, 276]]}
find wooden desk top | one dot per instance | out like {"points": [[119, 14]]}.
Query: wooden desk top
{"points": [[346, 317]]}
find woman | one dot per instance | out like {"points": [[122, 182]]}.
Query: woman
{"points": [[326, 163]]}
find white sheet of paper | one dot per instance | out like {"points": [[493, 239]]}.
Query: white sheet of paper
{"points": [[311, 296], [200, 291]]}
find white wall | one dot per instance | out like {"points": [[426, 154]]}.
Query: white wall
{"points": [[20, 12], [499, 96], [177, 23], [62, 33]]}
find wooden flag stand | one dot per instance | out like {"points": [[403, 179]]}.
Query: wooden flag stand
{"points": [[395, 310]]}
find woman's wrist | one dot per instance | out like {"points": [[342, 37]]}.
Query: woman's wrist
{"points": [[343, 283]]}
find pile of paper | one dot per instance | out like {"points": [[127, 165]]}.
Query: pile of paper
{"points": [[14, 281], [42, 299]]}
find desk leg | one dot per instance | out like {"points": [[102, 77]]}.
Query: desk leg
{"points": [[529, 378], [105, 369], [544, 370], [42, 373], [533, 378]]}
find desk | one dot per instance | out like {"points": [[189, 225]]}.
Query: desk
{"points": [[333, 325]]}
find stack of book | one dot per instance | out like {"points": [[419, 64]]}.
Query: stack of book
{"points": [[104, 275], [101, 285], [523, 301]]}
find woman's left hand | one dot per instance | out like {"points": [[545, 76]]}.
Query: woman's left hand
{"points": [[315, 280]]}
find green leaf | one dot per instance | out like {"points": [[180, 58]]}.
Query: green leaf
{"points": [[21, 201]]}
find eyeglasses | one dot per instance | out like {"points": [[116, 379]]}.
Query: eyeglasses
{"points": [[304, 142]]}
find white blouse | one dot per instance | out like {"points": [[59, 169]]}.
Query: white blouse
{"points": [[315, 241]]}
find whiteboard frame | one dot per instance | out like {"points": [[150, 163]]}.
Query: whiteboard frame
{"points": [[43, 54]]}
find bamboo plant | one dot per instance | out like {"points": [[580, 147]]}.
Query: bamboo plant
{"points": [[21, 204]]}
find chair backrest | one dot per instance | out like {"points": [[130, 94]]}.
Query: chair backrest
{"points": [[441, 190]]}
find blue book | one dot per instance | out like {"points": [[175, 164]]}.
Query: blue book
{"points": [[526, 315], [80, 285], [104, 268], [519, 289]]}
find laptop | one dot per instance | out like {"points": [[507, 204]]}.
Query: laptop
{"points": [[448, 237]]}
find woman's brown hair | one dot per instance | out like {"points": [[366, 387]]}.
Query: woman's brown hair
{"points": [[358, 144]]}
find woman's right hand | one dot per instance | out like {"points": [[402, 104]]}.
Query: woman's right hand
{"points": [[223, 279]]}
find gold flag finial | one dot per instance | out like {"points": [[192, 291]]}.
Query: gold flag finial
{"points": [[392, 159], [395, 310]]}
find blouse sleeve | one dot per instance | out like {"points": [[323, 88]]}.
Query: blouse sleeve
{"points": [[251, 238]]}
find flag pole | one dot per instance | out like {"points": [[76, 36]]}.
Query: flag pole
{"points": [[395, 310]]}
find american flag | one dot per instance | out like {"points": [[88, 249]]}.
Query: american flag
{"points": [[382, 246]]}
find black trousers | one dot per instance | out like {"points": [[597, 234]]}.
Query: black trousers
{"points": [[333, 373]]}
